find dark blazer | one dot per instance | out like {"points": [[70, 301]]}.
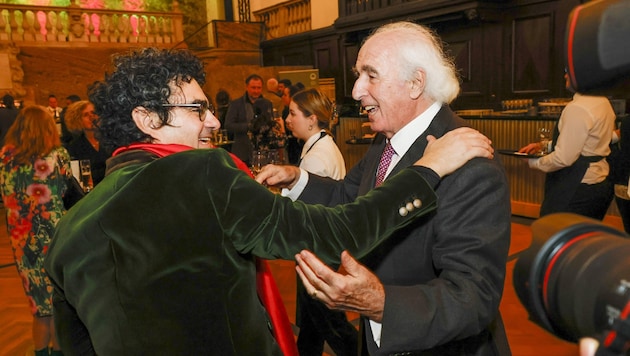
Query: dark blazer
{"points": [[158, 258], [237, 121], [80, 148], [444, 273]]}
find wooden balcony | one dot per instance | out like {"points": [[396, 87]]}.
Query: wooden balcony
{"points": [[71, 26], [288, 18]]}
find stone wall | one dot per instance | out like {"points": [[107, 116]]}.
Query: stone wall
{"points": [[61, 71], [71, 70]]}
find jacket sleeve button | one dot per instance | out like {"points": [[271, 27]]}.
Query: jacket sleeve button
{"points": [[403, 211], [417, 203]]}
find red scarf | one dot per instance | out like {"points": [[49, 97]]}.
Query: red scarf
{"points": [[265, 283]]}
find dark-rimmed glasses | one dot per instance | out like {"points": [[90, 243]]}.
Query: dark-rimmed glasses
{"points": [[201, 108]]}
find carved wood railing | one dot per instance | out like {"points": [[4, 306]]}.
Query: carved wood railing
{"points": [[62, 26], [288, 18]]}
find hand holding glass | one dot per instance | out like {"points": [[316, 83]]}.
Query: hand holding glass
{"points": [[259, 160], [545, 141]]}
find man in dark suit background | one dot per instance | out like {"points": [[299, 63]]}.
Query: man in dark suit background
{"points": [[436, 287], [241, 112]]}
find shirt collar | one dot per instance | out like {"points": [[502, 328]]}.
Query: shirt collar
{"points": [[405, 137]]}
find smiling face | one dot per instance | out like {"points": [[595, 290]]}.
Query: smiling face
{"points": [[390, 99], [186, 127]]}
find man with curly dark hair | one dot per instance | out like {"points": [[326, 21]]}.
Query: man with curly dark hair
{"points": [[159, 257], [145, 82]]}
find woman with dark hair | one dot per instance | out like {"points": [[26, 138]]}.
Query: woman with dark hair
{"points": [[80, 120], [32, 182]]}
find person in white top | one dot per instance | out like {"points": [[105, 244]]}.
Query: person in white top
{"points": [[577, 169], [310, 119]]}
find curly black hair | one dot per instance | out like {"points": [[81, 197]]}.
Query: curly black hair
{"points": [[143, 77]]}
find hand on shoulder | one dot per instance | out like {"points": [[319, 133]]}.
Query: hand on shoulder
{"points": [[454, 149]]}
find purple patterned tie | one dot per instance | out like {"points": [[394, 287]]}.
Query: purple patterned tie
{"points": [[386, 159]]}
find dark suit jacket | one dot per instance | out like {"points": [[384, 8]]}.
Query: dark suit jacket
{"points": [[158, 258], [444, 273], [7, 118], [80, 148], [237, 122]]}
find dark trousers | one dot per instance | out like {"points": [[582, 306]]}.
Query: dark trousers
{"points": [[592, 200], [624, 211], [318, 324]]}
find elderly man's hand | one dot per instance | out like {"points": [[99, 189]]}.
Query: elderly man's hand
{"points": [[354, 288], [454, 149]]}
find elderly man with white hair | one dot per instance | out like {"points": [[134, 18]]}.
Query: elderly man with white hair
{"points": [[435, 288]]}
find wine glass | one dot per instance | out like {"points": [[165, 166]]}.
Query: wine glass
{"points": [[259, 160], [545, 140]]}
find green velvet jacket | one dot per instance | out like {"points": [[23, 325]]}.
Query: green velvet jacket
{"points": [[158, 258]]}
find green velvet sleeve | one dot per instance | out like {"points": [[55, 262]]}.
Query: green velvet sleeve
{"points": [[273, 227]]}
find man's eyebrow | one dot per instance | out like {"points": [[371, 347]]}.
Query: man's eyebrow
{"points": [[364, 68]]}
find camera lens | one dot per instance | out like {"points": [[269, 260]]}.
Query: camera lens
{"points": [[574, 280]]}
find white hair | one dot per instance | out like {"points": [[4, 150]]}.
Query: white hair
{"points": [[423, 50]]}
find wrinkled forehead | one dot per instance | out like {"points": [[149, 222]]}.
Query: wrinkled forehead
{"points": [[377, 53]]}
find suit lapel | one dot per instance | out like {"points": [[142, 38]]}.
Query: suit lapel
{"points": [[444, 121], [370, 164], [438, 127]]}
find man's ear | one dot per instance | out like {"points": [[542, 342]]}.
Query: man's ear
{"points": [[417, 84], [144, 120]]}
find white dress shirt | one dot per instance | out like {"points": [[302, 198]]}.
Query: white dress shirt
{"points": [[321, 156], [586, 125]]}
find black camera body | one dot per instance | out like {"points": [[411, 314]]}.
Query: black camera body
{"points": [[596, 52], [574, 280]]}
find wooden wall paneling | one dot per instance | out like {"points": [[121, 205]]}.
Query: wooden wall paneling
{"points": [[462, 55], [328, 61], [352, 153], [297, 57], [477, 54], [350, 53], [531, 54]]}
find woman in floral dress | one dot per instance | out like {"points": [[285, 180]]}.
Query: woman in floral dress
{"points": [[33, 170]]}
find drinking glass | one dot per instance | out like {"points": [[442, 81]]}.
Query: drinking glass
{"points": [[86, 175], [545, 141], [259, 160]]}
